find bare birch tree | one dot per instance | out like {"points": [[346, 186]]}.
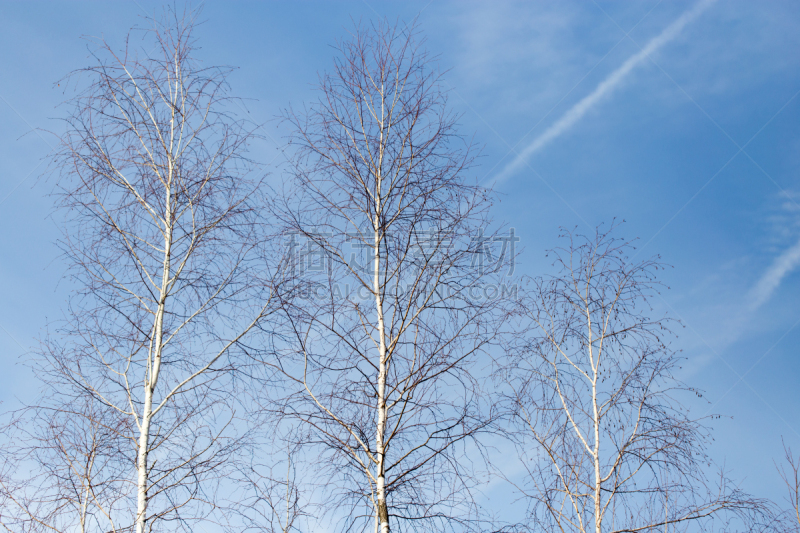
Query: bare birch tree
{"points": [[383, 338], [164, 235], [789, 471], [606, 443], [69, 476], [273, 500]]}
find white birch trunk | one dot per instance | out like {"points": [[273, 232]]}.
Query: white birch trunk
{"points": [[381, 511], [154, 366], [141, 462], [598, 519]]}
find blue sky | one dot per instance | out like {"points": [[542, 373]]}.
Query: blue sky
{"points": [[696, 144]]}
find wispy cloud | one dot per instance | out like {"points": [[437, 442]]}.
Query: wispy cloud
{"points": [[768, 283], [606, 87]]}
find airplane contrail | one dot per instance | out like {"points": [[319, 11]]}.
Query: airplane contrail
{"points": [[603, 89], [784, 264]]}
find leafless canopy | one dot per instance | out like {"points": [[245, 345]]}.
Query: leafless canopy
{"points": [[164, 237], [385, 328], [606, 444], [789, 471], [68, 475]]}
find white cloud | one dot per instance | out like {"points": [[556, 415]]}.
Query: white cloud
{"points": [[605, 88], [782, 266]]}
